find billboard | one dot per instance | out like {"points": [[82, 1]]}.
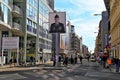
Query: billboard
{"points": [[57, 22], [10, 42]]}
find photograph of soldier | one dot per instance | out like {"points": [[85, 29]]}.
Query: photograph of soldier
{"points": [[57, 26]]}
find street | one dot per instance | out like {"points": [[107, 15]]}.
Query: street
{"points": [[85, 71]]}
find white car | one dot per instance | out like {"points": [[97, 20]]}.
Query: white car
{"points": [[92, 59]]}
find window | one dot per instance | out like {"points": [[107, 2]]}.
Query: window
{"points": [[30, 1], [35, 3], [5, 34], [32, 11], [4, 13], [6, 1]]}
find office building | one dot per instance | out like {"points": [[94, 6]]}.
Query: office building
{"points": [[115, 27], [28, 20]]}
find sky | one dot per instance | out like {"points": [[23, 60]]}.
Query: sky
{"points": [[80, 14]]}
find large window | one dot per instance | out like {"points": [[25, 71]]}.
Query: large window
{"points": [[4, 13], [43, 9], [31, 26], [32, 9], [6, 1]]}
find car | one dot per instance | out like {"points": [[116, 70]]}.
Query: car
{"points": [[92, 59]]}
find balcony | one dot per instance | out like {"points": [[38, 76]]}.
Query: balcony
{"points": [[17, 27], [17, 12], [17, 0]]}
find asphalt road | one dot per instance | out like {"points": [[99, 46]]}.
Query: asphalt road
{"points": [[86, 71]]}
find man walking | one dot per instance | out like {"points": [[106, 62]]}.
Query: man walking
{"points": [[116, 60], [81, 59]]}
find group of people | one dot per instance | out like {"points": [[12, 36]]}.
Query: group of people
{"points": [[65, 60], [107, 61], [12, 60]]}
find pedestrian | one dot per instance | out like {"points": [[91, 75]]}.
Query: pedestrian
{"points": [[63, 60], [98, 59], [41, 58], [66, 60], [109, 63], [88, 58], [75, 59], [54, 60], [31, 60], [116, 60], [81, 59], [104, 58], [15, 61], [59, 60], [71, 59], [10, 62]]}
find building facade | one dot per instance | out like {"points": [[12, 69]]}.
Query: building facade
{"points": [[81, 46], [85, 50], [115, 27], [104, 30], [98, 42], [28, 20], [77, 44], [71, 39]]}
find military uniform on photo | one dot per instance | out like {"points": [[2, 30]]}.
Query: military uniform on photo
{"points": [[57, 27]]}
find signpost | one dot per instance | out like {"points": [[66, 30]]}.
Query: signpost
{"points": [[10, 43], [57, 25]]}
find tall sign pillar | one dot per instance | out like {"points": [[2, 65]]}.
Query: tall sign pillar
{"points": [[57, 25]]}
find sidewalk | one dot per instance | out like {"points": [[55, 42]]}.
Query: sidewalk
{"points": [[47, 65], [23, 67], [16, 68], [107, 69]]}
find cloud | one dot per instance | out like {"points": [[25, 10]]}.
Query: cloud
{"points": [[91, 5]]}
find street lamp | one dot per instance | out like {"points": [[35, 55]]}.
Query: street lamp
{"points": [[97, 14], [95, 32]]}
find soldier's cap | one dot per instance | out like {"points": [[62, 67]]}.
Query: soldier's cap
{"points": [[56, 16]]}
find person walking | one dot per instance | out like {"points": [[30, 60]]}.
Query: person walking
{"points": [[59, 60], [88, 58], [104, 58], [81, 59], [66, 61], [54, 60], [75, 59], [109, 62], [116, 60], [10, 62], [71, 59]]}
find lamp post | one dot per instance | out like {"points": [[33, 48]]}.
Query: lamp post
{"points": [[97, 14]]}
